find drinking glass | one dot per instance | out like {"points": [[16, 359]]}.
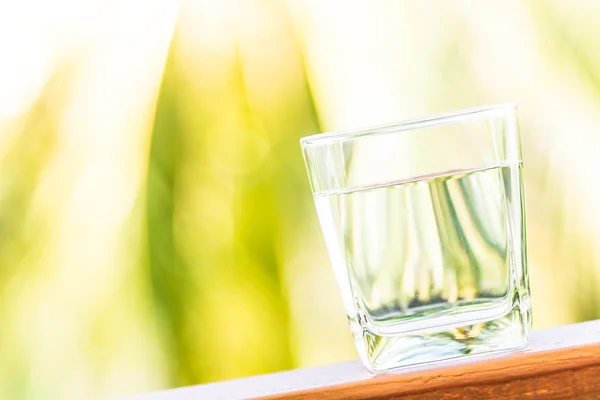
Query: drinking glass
{"points": [[424, 224]]}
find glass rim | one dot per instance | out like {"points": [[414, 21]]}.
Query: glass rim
{"points": [[428, 121]]}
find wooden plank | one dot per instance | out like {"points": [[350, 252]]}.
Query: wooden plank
{"points": [[559, 363]]}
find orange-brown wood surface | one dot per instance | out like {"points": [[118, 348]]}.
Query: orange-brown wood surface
{"points": [[559, 363], [572, 373]]}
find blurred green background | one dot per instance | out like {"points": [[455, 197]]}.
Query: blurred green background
{"points": [[156, 223]]}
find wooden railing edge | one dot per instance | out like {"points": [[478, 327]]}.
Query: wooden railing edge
{"points": [[562, 362]]}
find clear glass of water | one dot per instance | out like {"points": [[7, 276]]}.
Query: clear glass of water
{"points": [[424, 224]]}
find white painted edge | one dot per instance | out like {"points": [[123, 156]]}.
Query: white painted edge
{"points": [[574, 335]]}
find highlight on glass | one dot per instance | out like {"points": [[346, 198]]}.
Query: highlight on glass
{"points": [[424, 224]]}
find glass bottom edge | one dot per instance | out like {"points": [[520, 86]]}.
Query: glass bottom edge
{"points": [[388, 353]]}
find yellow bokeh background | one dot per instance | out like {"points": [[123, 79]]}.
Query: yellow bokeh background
{"points": [[156, 224]]}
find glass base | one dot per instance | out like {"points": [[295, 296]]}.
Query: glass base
{"points": [[384, 353]]}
